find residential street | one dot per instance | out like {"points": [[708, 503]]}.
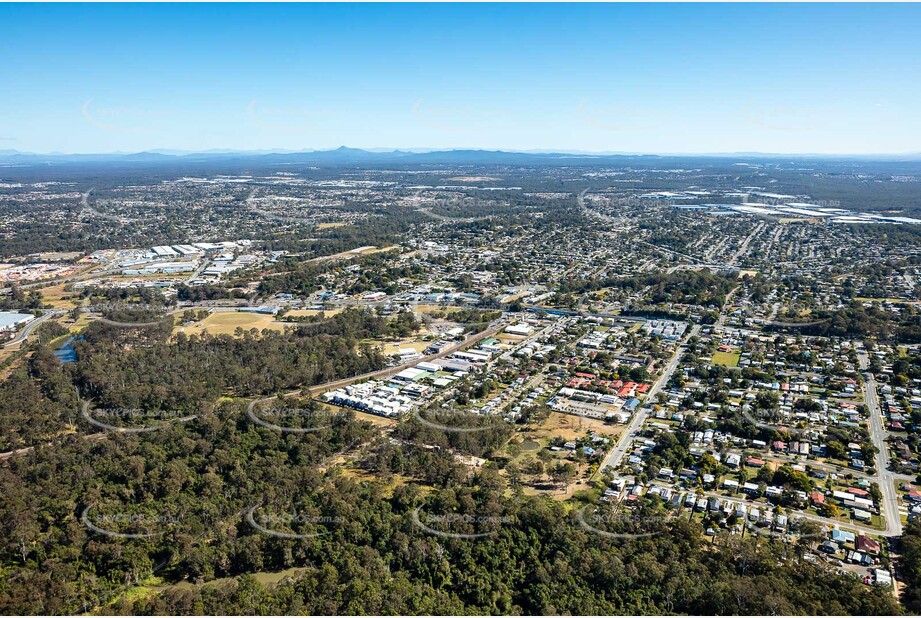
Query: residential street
{"points": [[885, 477], [614, 458]]}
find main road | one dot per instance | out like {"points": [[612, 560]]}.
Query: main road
{"points": [[885, 477], [392, 371], [31, 326], [616, 454]]}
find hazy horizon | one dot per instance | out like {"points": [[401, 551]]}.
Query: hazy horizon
{"points": [[449, 149], [652, 79]]}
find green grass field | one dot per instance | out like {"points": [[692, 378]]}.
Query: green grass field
{"points": [[726, 359]]}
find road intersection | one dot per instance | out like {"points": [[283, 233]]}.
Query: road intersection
{"points": [[885, 478]]}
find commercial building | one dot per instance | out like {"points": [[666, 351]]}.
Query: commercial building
{"points": [[10, 320], [519, 329]]}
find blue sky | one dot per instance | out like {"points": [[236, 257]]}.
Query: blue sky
{"points": [[656, 78]]}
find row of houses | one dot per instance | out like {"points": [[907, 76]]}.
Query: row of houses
{"points": [[373, 396]]}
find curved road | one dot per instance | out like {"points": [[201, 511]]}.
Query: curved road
{"points": [[31, 326]]}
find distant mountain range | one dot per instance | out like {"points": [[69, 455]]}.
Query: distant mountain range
{"points": [[345, 155]]}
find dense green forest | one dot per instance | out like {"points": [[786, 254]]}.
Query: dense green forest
{"points": [[910, 571], [143, 368], [688, 287], [189, 487], [18, 300]]}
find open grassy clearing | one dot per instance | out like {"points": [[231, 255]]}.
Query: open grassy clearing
{"points": [[374, 419], [379, 249], [300, 313], [435, 308], [394, 348], [726, 359], [59, 298], [532, 439], [571, 427], [227, 322]]}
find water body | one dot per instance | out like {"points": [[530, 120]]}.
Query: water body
{"points": [[66, 353]]}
